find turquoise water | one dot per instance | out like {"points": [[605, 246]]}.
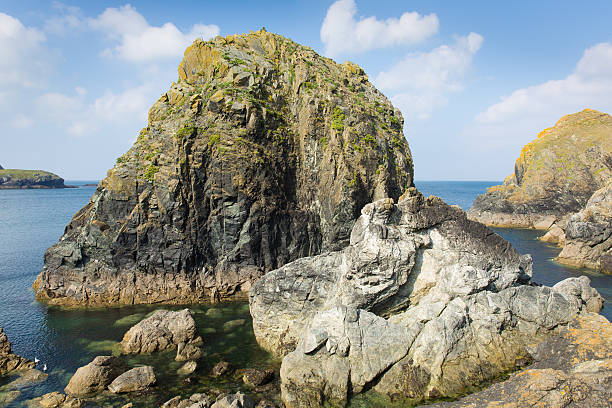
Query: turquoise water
{"points": [[32, 220]]}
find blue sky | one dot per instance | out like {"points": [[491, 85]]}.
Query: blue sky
{"points": [[475, 80]]}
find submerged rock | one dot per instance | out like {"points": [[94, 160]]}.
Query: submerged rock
{"points": [[188, 368], [136, 379], [423, 303], [8, 360], [95, 376], [221, 368], [554, 176], [163, 330], [261, 153]]}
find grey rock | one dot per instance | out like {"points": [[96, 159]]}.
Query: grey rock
{"points": [[221, 368], [185, 352], [188, 368], [95, 376], [136, 379], [238, 400]]}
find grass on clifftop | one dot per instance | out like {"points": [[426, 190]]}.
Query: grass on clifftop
{"points": [[24, 174]]}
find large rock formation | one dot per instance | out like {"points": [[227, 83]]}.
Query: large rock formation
{"points": [[573, 369], [587, 235], [423, 303], [23, 179], [263, 152], [95, 376], [8, 360], [554, 176]]}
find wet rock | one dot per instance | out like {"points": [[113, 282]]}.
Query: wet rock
{"points": [[136, 379], [172, 403], [424, 303], [27, 378], [58, 400], [256, 377], [185, 352], [238, 400], [8, 361], [221, 368], [188, 368], [95, 376], [164, 330]]}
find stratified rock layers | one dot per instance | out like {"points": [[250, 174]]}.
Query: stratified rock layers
{"points": [[262, 153], [423, 303], [554, 176]]}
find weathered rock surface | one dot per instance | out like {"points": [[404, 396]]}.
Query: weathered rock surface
{"points": [[136, 379], [24, 179], [587, 236], [221, 368], [554, 176], [188, 368], [263, 152], [238, 400], [194, 401], [58, 400], [573, 369], [163, 330], [256, 377], [95, 376], [8, 360], [423, 303]]}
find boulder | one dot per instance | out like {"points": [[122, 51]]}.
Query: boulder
{"points": [[136, 379], [163, 330], [185, 352], [423, 303], [238, 400], [58, 400], [221, 368], [256, 377], [188, 368], [95, 376], [8, 361]]}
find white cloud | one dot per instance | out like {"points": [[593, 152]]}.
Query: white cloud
{"points": [[68, 20], [421, 82], [23, 57], [138, 41], [341, 32], [22, 121], [589, 85]]}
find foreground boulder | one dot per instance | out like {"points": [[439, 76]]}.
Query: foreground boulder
{"points": [[423, 303], [8, 360], [554, 176], [163, 330], [573, 369], [261, 153], [95, 376], [136, 379]]}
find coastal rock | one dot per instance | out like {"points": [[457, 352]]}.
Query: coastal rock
{"points": [[238, 400], [588, 234], [163, 330], [221, 368], [136, 379], [58, 400], [256, 377], [554, 176], [27, 179], [261, 153], [423, 303], [8, 361], [185, 352], [573, 369], [95, 376], [188, 368]]}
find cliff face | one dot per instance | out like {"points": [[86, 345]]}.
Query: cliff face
{"points": [[554, 176], [14, 179], [263, 152]]}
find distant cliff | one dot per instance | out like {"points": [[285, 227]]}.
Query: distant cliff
{"points": [[14, 179], [263, 152]]}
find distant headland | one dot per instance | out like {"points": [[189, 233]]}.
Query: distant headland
{"points": [[24, 179]]}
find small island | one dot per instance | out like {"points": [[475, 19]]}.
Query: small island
{"points": [[23, 179]]}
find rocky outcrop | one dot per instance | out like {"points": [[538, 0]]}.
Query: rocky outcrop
{"points": [[58, 400], [95, 376], [24, 179], [136, 379], [573, 369], [554, 176], [163, 330], [238, 400], [587, 235], [8, 361], [423, 303], [263, 152]]}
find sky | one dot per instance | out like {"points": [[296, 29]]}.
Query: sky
{"points": [[474, 80]]}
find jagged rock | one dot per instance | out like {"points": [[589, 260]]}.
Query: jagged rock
{"points": [[185, 352], [554, 176], [588, 234], [238, 400], [95, 376], [58, 400], [136, 379], [163, 330], [188, 368], [221, 368], [8, 361], [26, 179], [263, 152], [573, 369], [256, 377], [195, 401], [423, 303]]}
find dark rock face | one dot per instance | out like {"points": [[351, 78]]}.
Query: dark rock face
{"points": [[422, 304], [262, 153], [8, 361], [25, 179], [554, 176]]}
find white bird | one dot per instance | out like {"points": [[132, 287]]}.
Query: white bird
{"points": [[36, 360], [44, 367]]}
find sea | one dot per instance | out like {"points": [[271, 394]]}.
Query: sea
{"points": [[65, 339]]}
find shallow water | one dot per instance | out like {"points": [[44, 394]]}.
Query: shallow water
{"points": [[32, 220]]}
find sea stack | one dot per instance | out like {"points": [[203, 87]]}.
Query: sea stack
{"points": [[263, 152]]}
